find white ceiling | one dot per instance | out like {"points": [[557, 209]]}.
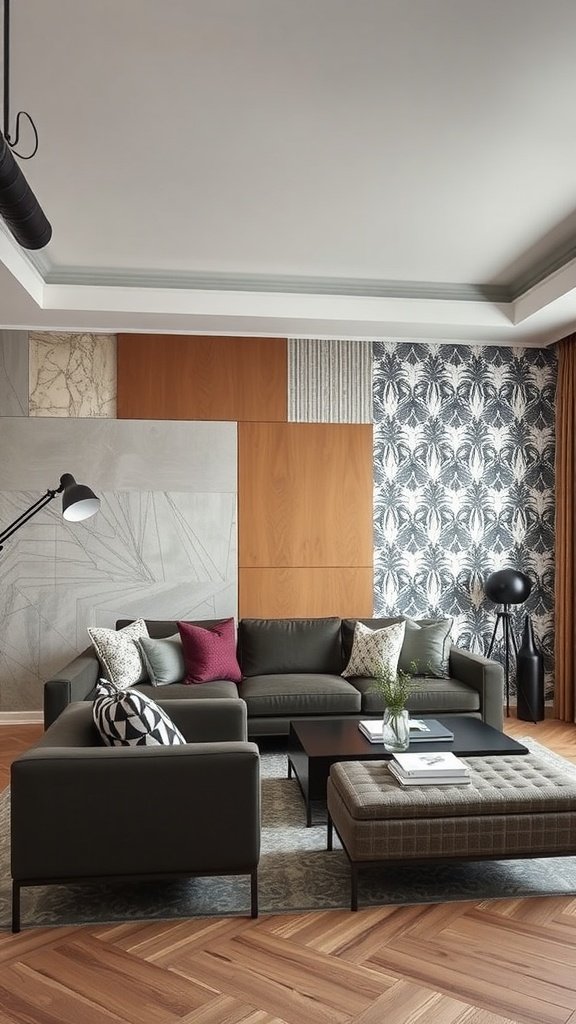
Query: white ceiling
{"points": [[312, 167]]}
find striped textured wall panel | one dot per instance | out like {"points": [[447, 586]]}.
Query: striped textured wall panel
{"points": [[329, 381]]}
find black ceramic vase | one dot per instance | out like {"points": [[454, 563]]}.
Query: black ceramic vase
{"points": [[529, 677]]}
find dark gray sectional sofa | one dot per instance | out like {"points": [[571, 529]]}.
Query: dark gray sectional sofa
{"points": [[291, 669]]}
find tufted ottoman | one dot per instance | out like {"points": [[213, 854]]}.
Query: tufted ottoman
{"points": [[519, 806]]}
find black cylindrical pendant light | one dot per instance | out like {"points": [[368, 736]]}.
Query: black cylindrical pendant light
{"points": [[18, 205]]}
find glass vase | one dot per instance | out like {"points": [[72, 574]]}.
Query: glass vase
{"points": [[396, 730]]}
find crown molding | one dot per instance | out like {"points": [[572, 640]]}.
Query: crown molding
{"points": [[277, 284], [281, 305]]}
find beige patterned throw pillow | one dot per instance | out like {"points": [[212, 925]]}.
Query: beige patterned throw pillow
{"points": [[375, 647], [119, 653]]}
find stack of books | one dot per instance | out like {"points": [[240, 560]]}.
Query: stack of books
{"points": [[431, 769], [422, 730]]}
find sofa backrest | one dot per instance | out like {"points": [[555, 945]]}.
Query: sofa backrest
{"points": [[273, 646], [159, 628]]}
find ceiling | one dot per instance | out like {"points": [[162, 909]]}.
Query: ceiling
{"points": [[320, 168]]}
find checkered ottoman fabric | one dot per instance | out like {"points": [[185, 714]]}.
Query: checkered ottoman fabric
{"points": [[515, 805]]}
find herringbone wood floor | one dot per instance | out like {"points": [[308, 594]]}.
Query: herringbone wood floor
{"points": [[483, 963]]}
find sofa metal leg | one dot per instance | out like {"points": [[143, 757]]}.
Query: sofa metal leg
{"points": [[353, 887], [329, 834], [15, 906], [254, 893]]}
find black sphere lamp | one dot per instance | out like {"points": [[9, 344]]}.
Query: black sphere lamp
{"points": [[506, 587]]}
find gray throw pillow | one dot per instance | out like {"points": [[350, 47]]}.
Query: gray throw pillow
{"points": [[426, 648], [164, 659]]}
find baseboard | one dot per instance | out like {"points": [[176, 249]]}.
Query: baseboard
{"points": [[21, 718]]}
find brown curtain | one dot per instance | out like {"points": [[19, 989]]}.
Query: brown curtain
{"points": [[565, 581]]}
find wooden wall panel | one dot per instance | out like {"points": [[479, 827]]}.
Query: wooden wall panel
{"points": [[170, 377], [305, 494], [287, 593]]}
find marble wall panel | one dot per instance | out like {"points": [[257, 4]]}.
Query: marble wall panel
{"points": [[13, 373], [329, 381], [161, 552], [72, 374]]}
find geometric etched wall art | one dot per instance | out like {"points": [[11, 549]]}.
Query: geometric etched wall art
{"points": [[72, 374], [464, 483], [329, 381], [163, 544]]}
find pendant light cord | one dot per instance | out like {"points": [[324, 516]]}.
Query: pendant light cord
{"points": [[12, 142]]}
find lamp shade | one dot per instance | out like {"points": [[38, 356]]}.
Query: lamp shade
{"points": [[508, 586], [78, 501]]}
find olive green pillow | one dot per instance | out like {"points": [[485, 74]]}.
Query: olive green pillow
{"points": [[426, 648]]}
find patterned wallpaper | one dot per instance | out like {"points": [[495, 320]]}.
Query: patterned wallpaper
{"points": [[464, 483]]}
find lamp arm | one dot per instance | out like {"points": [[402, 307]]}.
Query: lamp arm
{"points": [[28, 514]]}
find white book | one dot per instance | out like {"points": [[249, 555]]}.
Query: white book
{"points": [[437, 763], [372, 730], [435, 780]]}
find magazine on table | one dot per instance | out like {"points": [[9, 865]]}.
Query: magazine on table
{"points": [[422, 730]]}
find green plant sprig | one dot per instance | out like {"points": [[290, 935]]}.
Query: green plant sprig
{"points": [[394, 688]]}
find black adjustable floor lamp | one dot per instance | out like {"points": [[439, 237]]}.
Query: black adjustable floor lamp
{"points": [[506, 587], [78, 502]]}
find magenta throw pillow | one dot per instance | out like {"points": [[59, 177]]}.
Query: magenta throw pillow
{"points": [[209, 653]]}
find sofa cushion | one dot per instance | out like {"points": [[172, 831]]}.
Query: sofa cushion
{"points": [[348, 627], [375, 649], [118, 652], [292, 694], [210, 654], [428, 696], [269, 646], [164, 659], [183, 691], [426, 647], [127, 718]]}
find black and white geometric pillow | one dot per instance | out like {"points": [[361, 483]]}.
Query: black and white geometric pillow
{"points": [[128, 718]]}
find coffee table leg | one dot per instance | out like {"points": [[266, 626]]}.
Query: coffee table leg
{"points": [[289, 768]]}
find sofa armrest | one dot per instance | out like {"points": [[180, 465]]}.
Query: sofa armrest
{"points": [[90, 812], [484, 676], [74, 682], [210, 718]]}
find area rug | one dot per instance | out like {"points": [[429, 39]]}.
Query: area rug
{"points": [[296, 874]]}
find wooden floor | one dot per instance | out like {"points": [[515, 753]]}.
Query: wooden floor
{"points": [[466, 963]]}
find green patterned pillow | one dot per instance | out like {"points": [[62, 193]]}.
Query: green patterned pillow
{"points": [[373, 648], [426, 648]]}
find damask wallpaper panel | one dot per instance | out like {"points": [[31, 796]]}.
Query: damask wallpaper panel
{"points": [[464, 483]]}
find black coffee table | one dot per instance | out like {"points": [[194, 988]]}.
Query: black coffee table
{"points": [[314, 746]]}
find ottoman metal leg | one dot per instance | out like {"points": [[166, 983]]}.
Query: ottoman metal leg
{"points": [[329, 834]]}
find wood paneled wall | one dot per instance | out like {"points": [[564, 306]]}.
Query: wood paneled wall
{"points": [[305, 518], [304, 489], [169, 377]]}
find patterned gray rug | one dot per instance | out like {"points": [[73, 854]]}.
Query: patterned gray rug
{"points": [[296, 874]]}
